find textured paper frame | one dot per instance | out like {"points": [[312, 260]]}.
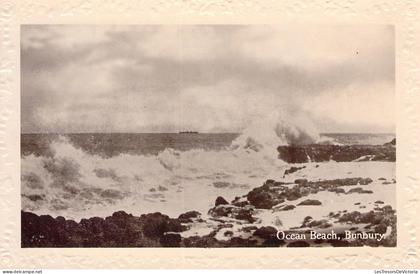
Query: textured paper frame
{"points": [[403, 14]]}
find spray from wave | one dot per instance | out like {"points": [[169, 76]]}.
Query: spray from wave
{"points": [[278, 129], [76, 184]]}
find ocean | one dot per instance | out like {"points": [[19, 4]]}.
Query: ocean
{"points": [[112, 144], [95, 174]]}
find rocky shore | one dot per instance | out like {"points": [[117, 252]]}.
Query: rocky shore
{"points": [[338, 153], [254, 219], [231, 224]]}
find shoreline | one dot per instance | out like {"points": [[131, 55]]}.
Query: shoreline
{"points": [[310, 197]]}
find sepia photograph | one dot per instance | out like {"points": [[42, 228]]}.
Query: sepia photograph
{"points": [[208, 136]]}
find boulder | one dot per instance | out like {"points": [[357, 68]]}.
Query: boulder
{"points": [[310, 202], [359, 190], [220, 201], [264, 198], [188, 217]]}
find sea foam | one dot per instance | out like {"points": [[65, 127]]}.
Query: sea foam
{"points": [[74, 183]]}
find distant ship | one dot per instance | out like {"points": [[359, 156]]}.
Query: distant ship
{"points": [[188, 132]]}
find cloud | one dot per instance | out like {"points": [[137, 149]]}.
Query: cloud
{"points": [[206, 78], [356, 108]]}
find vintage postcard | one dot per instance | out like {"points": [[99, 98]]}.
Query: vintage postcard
{"points": [[208, 136], [203, 136]]}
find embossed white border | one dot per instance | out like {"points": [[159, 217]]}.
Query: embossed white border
{"points": [[403, 14]]}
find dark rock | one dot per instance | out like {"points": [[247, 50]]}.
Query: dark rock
{"points": [[266, 232], [298, 244], [240, 203], [240, 242], [220, 201], [249, 228], [306, 221], [337, 190], [359, 190], [316, 223], [238, 213], [188, 216], [292, 170], [392, 143], [318, 241], [308, 202], [263, 197], [156, 224], [204, 241], [269, 235], [228, 233], [302, 182], [245, 215], [171, 240], [347, 153], [338, 243]]}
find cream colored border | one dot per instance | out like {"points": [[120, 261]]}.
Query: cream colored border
{"points": [[403, 14]]}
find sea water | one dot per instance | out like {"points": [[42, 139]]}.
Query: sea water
{"points": [[95, 174]]}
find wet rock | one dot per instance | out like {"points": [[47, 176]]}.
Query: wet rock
{"points": [[298, 244], [263, 197], [359, 190], [334, 215], [266, 232], [302, 182], [292, 170], [156, 224], [188, 217], [204, 241], [392, 143], [306, 221], [347, 153], [240, 203], [338, 243], [337, 190], [238, 213], [220, 201], [240, 242], [310, 202], [228, 233], [315, 223], [171, 240], [269, 235], [249, 228]]}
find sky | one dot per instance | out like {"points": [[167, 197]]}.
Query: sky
{"points": [[220, 78]]}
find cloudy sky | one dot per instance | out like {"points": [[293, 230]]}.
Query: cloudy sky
{"points": [[205, 78]]}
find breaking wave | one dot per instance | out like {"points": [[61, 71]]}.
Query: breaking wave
{"points": [[76, 184]]}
